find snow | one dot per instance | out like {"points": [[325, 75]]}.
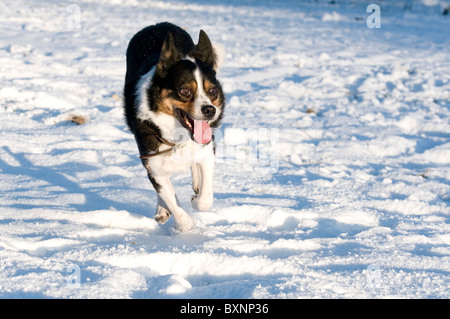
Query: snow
{"points": [[333, 161]]}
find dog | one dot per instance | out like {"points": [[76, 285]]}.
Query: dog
{"points": [[173, 102]]}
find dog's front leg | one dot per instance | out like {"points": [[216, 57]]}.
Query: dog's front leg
{"points": [[162, 212], [203, 199], [195, 178], [168, 204]]}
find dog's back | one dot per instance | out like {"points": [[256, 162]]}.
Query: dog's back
{"points": [[145, 47]]}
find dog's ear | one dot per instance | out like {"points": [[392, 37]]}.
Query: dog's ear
{"points": [[169, 55], [204, 50]]}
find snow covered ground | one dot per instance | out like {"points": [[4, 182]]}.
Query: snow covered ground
{"points": [[333, 168]]}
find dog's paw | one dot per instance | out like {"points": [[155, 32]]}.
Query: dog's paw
{"points": [[201, 204], [162, 215], [184, 223]]}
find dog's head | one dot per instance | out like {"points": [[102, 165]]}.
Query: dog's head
{"points": [[188, 88]]}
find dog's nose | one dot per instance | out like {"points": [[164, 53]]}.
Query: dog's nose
{"points": [[209, 111]]}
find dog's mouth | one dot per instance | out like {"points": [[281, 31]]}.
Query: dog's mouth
{"points": [[200, 130]]}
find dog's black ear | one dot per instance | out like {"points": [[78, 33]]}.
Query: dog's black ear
{"points": [[204, 50], [169, 55]]}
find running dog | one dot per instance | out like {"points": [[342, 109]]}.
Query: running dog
{"points": [[172, 102]]}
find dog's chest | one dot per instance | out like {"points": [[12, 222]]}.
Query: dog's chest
{"points": [[180, 158]]}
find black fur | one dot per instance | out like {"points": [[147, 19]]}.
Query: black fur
{"points": [[143, 53]]}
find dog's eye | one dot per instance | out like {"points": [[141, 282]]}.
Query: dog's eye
{"points": [[213, 92], [185, 92]]}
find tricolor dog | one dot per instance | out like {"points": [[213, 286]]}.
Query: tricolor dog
{"points": [[172, 101]]}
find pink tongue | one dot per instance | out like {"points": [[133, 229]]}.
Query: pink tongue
{"points": [[202, 132]]}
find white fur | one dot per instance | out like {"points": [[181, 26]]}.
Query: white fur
{"points": [[201, 160], [181, 158], [141, 102], [201, 98], [189, 58], [203, 178]]}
